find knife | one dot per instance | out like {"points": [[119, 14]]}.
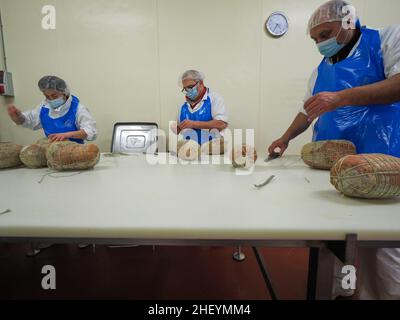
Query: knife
{"points": [[272, 157]]}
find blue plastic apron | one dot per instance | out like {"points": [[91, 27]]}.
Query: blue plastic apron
{"points": [[202, 114], [373, 128], [66, 123]]}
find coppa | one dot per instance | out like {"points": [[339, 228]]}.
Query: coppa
{"points": [[165, 310]]}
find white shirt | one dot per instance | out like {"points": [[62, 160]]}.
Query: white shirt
{"points": [[218, 107], [84, 121], [390, 39]]}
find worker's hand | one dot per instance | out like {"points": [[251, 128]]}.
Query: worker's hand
{"points": [[188, 124], [281, 144], [321, 103], [59, 136], [15, 114]]}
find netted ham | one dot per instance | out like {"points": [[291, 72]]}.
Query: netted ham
{"points": [[43, 142], [72, 156], [324, 154], [9, 155], [214, 147], [188, 150], [369, 176], [243, 156], [34, 156]]}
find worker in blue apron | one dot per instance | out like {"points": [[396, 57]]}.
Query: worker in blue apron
{"points": [[62, 125], [373, 128], [203, 116], [354, 95], [60, 115]]}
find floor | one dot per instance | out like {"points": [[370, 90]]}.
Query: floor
{"points": [[150, 273]]}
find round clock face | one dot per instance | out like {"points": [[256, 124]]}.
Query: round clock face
{"points": [[277, 24]]}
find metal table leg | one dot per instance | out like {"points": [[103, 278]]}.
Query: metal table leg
{"points": [[325, 272], [351, 249], [312, 273], [321, 268], [265, 274]]}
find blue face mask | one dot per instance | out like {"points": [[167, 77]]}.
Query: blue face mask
{"points": [[330, 47], [192, 94], [56, 103]]}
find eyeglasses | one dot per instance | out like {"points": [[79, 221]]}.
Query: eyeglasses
{"points": [[186, 89]]}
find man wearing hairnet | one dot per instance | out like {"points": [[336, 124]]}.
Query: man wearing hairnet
{"points": [[60, 115], [203, 116], [355, 95]]}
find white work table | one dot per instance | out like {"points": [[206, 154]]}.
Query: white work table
{"points": [[126, 197]]}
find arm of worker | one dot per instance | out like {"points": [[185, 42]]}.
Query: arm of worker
{"points": [[203, 125], [79, 134], [298, 126], [384, 92], [86, 123], [15, 114], [29, 119]]}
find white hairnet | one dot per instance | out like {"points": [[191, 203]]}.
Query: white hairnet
{"points": [[330, 11], [54, 83], [193, 74]]}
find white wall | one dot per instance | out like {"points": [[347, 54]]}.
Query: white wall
{"points": [[123, 58]]}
